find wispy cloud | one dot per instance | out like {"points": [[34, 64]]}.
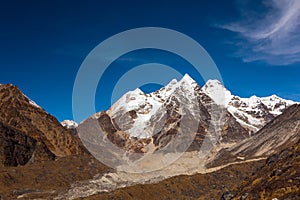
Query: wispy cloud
{"points": [[272, 36]]}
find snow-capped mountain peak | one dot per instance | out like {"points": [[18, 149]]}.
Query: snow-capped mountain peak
{"points": [[253, 112], [213, 83], [134, 111], [187, 79], [69, 124], [137, 91], [143, 106], [276, 104], [219, 94]]}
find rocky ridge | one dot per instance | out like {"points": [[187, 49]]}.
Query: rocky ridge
{"points": [[281, 133], [29, 133]]}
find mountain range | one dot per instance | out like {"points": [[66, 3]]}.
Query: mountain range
{"points": [[138, 120], [254, 141]]}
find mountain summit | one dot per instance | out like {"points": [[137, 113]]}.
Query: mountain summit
{"points": [[253, 112], [134, 111]]}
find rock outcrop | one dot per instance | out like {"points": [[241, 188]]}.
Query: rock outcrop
{"points": [[29, 133]]}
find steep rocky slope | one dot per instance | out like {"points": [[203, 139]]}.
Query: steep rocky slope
{"points": [[17, 148], [29, 133], [282, 132]]}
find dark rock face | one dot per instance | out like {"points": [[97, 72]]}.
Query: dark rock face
{"points": [[73, 131], [186, 123], [171, 126], [232, 131], [107, 130], [106, 123], [108, 127], [17, 148], [29, 133]]}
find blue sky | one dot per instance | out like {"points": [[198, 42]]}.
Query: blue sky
{"points": [[255, 44]]}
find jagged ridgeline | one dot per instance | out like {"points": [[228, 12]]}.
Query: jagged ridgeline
{"points": [[138, 119]]}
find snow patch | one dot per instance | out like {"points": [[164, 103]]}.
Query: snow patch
{"points": [[69, 124], [32, 102]]}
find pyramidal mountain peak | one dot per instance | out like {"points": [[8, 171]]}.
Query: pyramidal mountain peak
{"points": [[144, 106], [188, 79]]}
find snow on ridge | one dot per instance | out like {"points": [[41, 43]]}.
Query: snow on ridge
{"points": [[217, 92], [32, 102], [147, 105], [134, 99], [188, 79], [252, 113], [130, 101], [69, 124]]}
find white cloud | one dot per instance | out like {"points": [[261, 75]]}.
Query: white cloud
{"points": [[273, 37]]}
